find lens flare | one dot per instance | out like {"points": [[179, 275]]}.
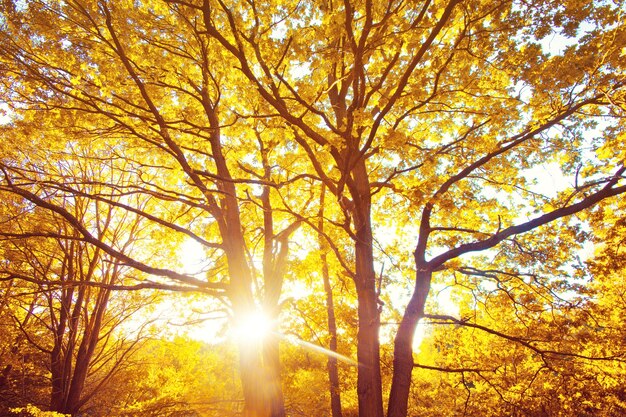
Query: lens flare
{"points": [[316, 348], [252, 327]]}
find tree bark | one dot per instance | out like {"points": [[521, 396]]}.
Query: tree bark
{"points": [[251, 367], [369, 380], [271, 361], [369, 383], [403, 346], [86, 352], [256, 402], [275, 250], [333, 371]]}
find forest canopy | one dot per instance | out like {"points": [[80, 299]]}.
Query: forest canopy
{"points": [[302, 208]]}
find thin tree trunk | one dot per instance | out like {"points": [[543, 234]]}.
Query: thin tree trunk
{"points": [[403, 346], [333, 372], [86, 352]]}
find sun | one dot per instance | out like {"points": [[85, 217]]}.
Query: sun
{"points": [[252, 327]]}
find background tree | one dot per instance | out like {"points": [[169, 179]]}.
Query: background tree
{"points": [[61, 292]]}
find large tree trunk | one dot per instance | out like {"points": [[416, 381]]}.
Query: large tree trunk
{"points": [[403, 346], [255, 377], [58, 376], [271, 360], [73, 396], [86, 351], [369, 384], [259, 365], [256, 402], [251, 367]]}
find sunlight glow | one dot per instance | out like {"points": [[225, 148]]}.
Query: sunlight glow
{"points": [[192, 256], [252, 327], [298, 290], [419, 336]]}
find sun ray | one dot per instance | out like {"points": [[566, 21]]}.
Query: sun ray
{"points": [[254, 327], [316, 348]]}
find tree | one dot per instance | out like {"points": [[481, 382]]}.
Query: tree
{"points": [[333, 374], [23, 366], [536, 343], [61, 292], [424, 118], [184, 168], [441, 84]]}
